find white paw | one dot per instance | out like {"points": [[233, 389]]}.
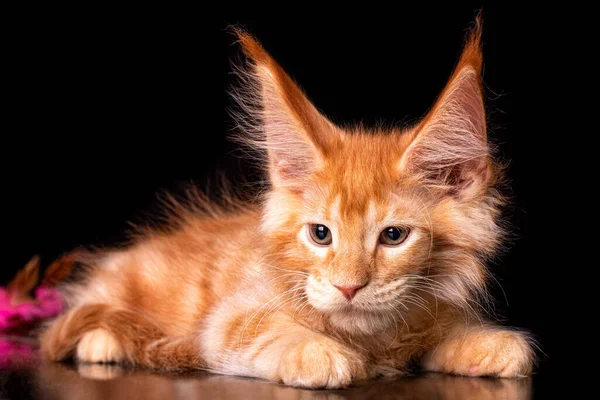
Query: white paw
{"points": [[498, 353], [99, 346], [320, 363]]}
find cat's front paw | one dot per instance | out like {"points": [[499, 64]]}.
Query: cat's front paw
{"points": [[496, 353], [99, 346], [320, 362]]}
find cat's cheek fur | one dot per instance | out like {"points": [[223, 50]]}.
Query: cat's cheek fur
{"points": [[322, 295]]}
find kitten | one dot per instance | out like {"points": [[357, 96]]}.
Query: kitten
{"points": [[365, 255]]}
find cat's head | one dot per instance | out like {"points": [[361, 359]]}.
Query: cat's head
{"points": [[372, 218]]}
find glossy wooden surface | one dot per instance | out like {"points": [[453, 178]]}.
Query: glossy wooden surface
{"points": [[95, 382]]}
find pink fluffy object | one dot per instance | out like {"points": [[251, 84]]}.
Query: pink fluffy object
{"points": [[25, 301], [47, 303]]}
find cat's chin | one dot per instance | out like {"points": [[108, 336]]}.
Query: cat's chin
{"points": [[356, 321]]}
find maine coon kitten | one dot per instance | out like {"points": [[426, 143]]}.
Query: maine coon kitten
{"points": [[366, 254]]}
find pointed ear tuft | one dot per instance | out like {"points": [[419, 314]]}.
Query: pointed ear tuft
{"points": [[253, 49], [472, 54], [449, 147], [292, 131]]}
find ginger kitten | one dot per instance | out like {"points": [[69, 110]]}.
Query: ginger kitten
{"points": [[365, 255]]}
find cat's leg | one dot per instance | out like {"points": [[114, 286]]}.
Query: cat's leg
{"points": [[482, 351], [100, 333], [273, 346]]}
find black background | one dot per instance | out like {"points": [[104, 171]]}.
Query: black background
{"points": [[105, 108]]}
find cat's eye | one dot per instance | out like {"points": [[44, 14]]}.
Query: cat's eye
{"points": [[393, 235], [320, 234]]}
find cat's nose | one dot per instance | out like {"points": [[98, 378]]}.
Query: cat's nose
{"points": [[349, 291]]}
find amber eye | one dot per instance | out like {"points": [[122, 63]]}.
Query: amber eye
{"points": [[320, 234], [393, 235]]}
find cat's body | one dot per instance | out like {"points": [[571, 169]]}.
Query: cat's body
{"points": [[365, 255]]}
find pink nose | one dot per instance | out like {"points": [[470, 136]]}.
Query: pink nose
{"points": [[349, 291]]}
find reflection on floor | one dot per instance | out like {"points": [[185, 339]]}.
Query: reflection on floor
{"points": [[95, 382]]}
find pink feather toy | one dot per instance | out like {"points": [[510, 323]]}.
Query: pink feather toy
{"points": [[25, 304]]}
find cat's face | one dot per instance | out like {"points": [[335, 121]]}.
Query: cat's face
{"points": [[377, 234], [370, 221], [359, 234]]}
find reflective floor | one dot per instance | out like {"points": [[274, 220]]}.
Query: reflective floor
{"points": [[91, 382]]}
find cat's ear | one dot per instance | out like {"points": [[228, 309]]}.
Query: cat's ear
{"points": [[296, 135], [449, 147]]}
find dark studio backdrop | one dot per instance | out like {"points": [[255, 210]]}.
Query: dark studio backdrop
{"points": [[107, 108]]}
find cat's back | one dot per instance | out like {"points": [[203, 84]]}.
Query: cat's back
{"points": [[177, 276]]}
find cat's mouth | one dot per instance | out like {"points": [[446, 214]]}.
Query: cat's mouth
{"points": [[365, 314], [349, 307], [358, 320], [372, 299], [356, 308]]}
